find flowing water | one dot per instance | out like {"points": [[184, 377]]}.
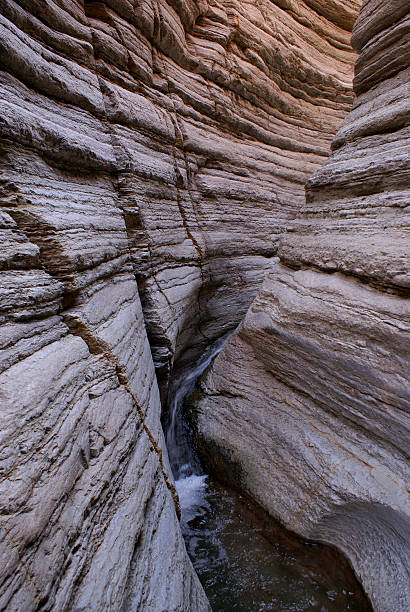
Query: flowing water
{"points": [[246, 560], [184, 462]]}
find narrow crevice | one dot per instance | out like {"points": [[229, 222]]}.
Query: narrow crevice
{"points": [[97, 346]]}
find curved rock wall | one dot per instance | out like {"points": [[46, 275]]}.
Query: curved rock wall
{"points": [[307, 404], [87, 508], [163, 142], [210, 116], [239, 109]]}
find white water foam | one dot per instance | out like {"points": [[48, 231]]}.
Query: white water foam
{"points": [[192, 495], [191, 487], [179, 449]]}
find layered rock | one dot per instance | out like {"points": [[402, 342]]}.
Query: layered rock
{"points": [[219, 112], [211, 116], [86, 501], [307, 405], [159, 142], [88, 517]]}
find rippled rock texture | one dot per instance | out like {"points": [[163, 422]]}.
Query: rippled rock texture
{"points": [[165, 143], [208, 117], [307, 404]]}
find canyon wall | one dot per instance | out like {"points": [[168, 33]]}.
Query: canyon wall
{"points": [[88, 517], [213, 115], [306, 408], [151, 155]]}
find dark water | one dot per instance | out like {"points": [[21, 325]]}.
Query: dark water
{"points": [[247, 561], [244, 559]]}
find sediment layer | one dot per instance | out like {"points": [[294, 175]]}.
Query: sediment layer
{"points": [[152, 153], [307, 405]]}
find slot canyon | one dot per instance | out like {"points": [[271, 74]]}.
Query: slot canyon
{"points": [[204, 313]]}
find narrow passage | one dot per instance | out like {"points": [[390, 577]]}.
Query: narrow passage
{"points": [[246, 560]]}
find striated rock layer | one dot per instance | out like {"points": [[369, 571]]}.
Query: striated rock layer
{"points": [[307, 405], [210, 115], [87, 509], [86, 504], [121, 156], [162, 142], [88, 516]]}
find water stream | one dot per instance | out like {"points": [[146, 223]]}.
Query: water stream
{"points": [[246, 560], [184, 462]]}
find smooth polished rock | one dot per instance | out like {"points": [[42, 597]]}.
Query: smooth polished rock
{"points": [[306, 408], [152, 154]]}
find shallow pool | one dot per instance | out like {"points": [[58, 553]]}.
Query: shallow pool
{"points": [[247, 561]]}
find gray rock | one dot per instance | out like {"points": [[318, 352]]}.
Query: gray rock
{"points": [[307, 405], [152, 154]]}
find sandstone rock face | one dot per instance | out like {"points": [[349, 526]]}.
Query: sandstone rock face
{"points": [[165, 143], [308, 402], [86, 504]]}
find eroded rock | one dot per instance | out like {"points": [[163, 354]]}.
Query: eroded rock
{"points": [[88, 518], [165, 143], [307, 405]]}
